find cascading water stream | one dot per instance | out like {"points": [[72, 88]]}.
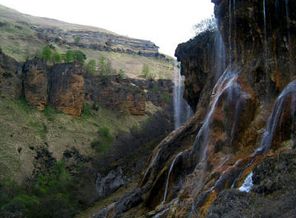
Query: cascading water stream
{"points": [[182, 110], [289, 91], [226, 80], [168, 177]]}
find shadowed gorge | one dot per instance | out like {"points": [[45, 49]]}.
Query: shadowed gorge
{"points": [[103, 142]]}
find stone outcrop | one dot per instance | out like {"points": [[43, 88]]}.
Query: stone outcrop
{"points": [[197, 55], [110, 183], [10, 77], [66, 88], [36, 83]]}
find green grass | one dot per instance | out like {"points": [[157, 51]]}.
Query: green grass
{"points": [[22, 128]]}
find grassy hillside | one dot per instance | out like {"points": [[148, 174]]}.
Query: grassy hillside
{"points": [[20, 38], [23, 129]]}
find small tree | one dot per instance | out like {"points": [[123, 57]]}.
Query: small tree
{"points": [[91, 66], [46, 53], [79, 56], [69, 56], [57, 58], [105, 66], [206, 24]]}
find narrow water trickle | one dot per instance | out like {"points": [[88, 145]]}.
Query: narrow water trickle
{"points": [[169, 174], [273, 120], [182, 110]]}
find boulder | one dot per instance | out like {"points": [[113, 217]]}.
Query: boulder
{"points": [[110, 183]]}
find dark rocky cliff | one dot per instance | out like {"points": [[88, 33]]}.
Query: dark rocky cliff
{"points": [[224, 141]]}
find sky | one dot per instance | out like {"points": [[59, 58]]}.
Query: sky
{"points": [[164, 22]]}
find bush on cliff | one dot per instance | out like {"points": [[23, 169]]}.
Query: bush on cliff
{"points": [[146, 72], [91, 66], [104, 141]]}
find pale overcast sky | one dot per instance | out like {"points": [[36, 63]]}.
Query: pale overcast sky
{"points": [[165, 22]]}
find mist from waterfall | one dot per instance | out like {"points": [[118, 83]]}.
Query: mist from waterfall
{"points": [[182, 110]]}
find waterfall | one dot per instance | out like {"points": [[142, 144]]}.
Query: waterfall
{"points": [[289, 91], [220, 54], [226, 81], [169, 174], [182, 110]]}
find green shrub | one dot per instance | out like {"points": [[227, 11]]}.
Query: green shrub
{"points": [[104, 141], [46, 53], [57, 58], [50, 194], [122, 74], [91, 66], [74, 55], [105, 67], [50, 112], [147, 74]]}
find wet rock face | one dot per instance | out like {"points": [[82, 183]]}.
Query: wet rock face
{"points": [[66, 88], [274, 188], [35, 83], [10, 77]]}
